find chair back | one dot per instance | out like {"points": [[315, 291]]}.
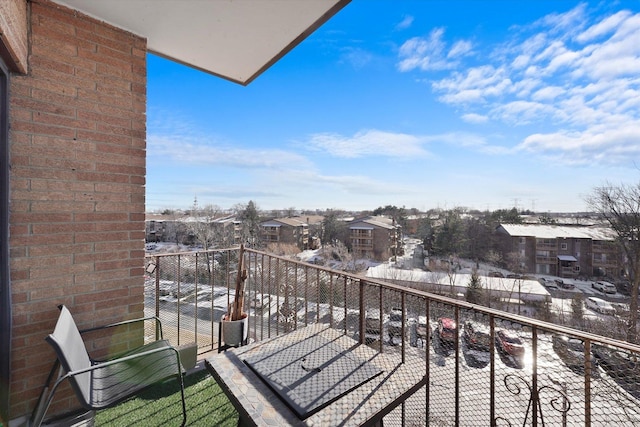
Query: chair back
{"points": [[72, 353]]}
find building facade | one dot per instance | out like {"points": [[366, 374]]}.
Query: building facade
{"points": [[375, 237], [286, 231], [563, 251]]}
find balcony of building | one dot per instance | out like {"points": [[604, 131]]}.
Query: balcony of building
{"points": [[482, 366]]}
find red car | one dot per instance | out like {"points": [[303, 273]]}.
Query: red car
{"points": [[447, 330], [509, 343]]}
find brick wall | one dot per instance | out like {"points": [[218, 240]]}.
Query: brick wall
{"points": [[77, 145]]}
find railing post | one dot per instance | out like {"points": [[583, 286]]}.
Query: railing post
{"points": [[534, 372], [403, 296], [587, 382], [427, 347], [361, 316], [344, 302], [157, 279], [492, 371], [381, 322], [457, 367], [178, 301]]}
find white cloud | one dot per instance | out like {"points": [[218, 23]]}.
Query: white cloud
{"points": [[405, 23], [429, 53], [186, 151], [603, 27], [474, 118], [565, 23], [358, 58], [614, 145], [575, 74], [368, 143], [548, 93], [460, 48], [476, 85], [521, 112]]}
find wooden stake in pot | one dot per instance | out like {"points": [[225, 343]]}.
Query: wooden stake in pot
{"points": [[236, 310]]}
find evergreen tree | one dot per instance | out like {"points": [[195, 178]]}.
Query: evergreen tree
{"points": [[474, 288], [250, 218]]}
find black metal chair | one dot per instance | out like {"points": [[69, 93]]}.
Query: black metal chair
{"points": [[104, 384]]}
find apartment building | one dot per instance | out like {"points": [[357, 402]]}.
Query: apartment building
{"points": [[285, 230], [376, 237], [563, 251], [223, 230]]}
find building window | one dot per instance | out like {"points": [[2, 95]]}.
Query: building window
{"points": [[563, 246]]}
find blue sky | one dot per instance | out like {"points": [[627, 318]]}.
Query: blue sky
{"points": [[425, 104]]}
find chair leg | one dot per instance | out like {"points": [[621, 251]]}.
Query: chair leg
{"points": [[184, 405], [43, 407], [37, 416]]}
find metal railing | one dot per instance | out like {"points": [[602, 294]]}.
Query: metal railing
{"points": [[484, 366]]}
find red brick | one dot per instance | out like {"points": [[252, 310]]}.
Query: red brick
{"points": [[103, 137], [77, 145], [44, 107]]}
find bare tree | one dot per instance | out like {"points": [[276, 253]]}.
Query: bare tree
{"points": [[203, 230], [619, 207], [515, 263], [201, 225]]}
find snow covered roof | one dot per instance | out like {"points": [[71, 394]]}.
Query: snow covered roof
{"points": [[277, 222], [528, 289], [540, 231], [377, 221]]}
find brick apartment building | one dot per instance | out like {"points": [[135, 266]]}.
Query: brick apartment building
{"points": [[285, 230], [563, 251], [225, 230], [377, 237], [73, 82]]}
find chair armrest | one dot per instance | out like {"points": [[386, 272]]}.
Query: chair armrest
{"points": [[126, 322]]}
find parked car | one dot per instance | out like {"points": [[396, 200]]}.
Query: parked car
{"points": [[605, 287], [394, 326], [476, 336], [260, 301], [549, 284], [621, 365], [447, 331], [571, 351], [624, 287], [622, 309], [423, 332], [288, 310], [509, 343], [600, 306], [564, 285], [372, 320], [174, 295], [210, 304]]}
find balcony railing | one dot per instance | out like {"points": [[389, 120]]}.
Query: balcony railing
{"points": [[485, 367]]}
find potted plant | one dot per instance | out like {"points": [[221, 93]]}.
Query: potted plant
{"points": [[234, 326]]}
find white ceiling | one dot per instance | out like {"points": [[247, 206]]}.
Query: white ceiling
{"points": [[234, 39]]}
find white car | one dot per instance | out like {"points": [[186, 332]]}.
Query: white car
{"points": [[600, 305], [606, 287]]}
